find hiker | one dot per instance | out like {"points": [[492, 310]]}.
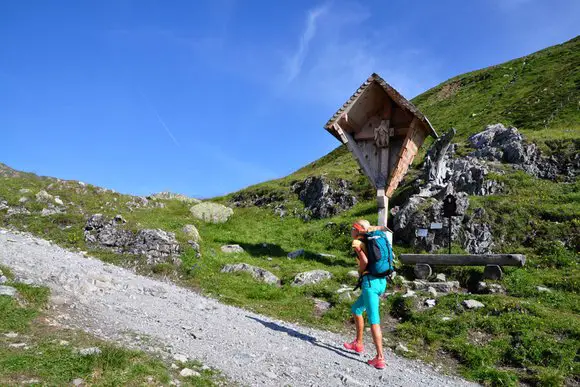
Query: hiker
{"points": [[373, 283]]}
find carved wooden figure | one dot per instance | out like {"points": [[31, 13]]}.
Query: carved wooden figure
{"points": [[384, 132]]}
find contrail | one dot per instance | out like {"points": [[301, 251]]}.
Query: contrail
{"points": [[166, 127]]}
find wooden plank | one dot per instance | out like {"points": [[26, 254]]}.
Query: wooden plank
{"points": [[359, 156], [341, 133], [402, 164], [464, 259]]}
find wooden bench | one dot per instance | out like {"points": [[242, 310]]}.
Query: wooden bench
{"points": [[492, 262]]}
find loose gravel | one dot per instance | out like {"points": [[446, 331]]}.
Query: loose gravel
{"points": [[249, 348]]}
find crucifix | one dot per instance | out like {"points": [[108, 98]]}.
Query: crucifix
{"points": [[384, 132]]}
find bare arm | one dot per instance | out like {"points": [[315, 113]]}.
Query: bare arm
{"points": [[362, 260]]}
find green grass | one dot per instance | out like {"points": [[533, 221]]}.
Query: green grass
{"points": [[52, 362], [524, 336]]}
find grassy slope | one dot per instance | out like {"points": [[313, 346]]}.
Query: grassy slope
{"points": [[518, 324], [51, 358]]}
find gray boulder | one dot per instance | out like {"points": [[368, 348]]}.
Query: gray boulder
{"points": [[17, 211], [51, 210], [311, 277], [8, 291], [44, 197], [472, 304], [295, 254], [191, 232], [3, 205], [89, 351], [257, 272], [324, 198], [211, 212], [229, 249]]}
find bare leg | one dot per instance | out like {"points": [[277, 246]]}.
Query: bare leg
{"points": [[377, 339], [359, 322]]}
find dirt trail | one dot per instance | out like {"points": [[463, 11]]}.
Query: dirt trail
{"points": [[252, 349]]}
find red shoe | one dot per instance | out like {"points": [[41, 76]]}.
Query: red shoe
{"points": [[354, 346], [377, 363]]}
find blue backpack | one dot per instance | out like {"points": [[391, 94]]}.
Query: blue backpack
{"points": [[379, 254]]}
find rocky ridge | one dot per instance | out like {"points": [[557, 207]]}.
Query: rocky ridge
{"points": [[444, 173]]}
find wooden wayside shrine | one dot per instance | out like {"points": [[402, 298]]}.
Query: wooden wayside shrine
{"points": [[384, 132]]}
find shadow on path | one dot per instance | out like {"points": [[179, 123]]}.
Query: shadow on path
{"points": [[311, 339]]}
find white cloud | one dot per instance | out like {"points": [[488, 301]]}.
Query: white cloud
{"points": [[294, 65], [345, 51]]}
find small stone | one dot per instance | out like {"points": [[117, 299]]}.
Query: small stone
{"points": [[321, 306], [188, 372], [295, 254], [440, 277], [23, 200], [228, 249], [18, 345], [353, 274], [89, 351], [3, 279], [481, 287], [118, 219], [11, 335], [58, 201], [543, 289], [323, 255], [24, 191], [472, 304], [432, 292], [409, 293], [7, 291], [311, 277], [174, 366], [496, 289], [205, 368], [445, 318], [430, 303], [180, 358], [270, 375], [78, 382], [401, 348], [63, 343]]}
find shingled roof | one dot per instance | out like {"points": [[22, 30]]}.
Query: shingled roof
{"points": [[401, 101]]}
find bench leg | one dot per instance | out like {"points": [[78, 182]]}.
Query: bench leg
{"points": [[423, 271], [493, 272]]}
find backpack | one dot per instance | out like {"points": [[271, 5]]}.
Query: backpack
{"points": [[379, 254]]}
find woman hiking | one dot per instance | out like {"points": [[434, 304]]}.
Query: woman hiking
{"points": [[372, 288]]}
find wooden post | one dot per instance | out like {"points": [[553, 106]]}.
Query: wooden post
{"points": [[383, 206]]}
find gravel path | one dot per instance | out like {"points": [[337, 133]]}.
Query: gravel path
{"points": [[247, 347]]}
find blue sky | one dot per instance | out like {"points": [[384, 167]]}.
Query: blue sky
{"points": [[207, 97]]}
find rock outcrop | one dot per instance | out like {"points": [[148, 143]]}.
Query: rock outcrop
{"points": [[166, 195], [324, 198], [156, 245], [444, 173]]}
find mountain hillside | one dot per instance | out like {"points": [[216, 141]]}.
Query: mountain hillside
{"points": [[282, 247]]}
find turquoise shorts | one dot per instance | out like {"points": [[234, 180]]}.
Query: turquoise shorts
{"points": [[372, 290]]}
